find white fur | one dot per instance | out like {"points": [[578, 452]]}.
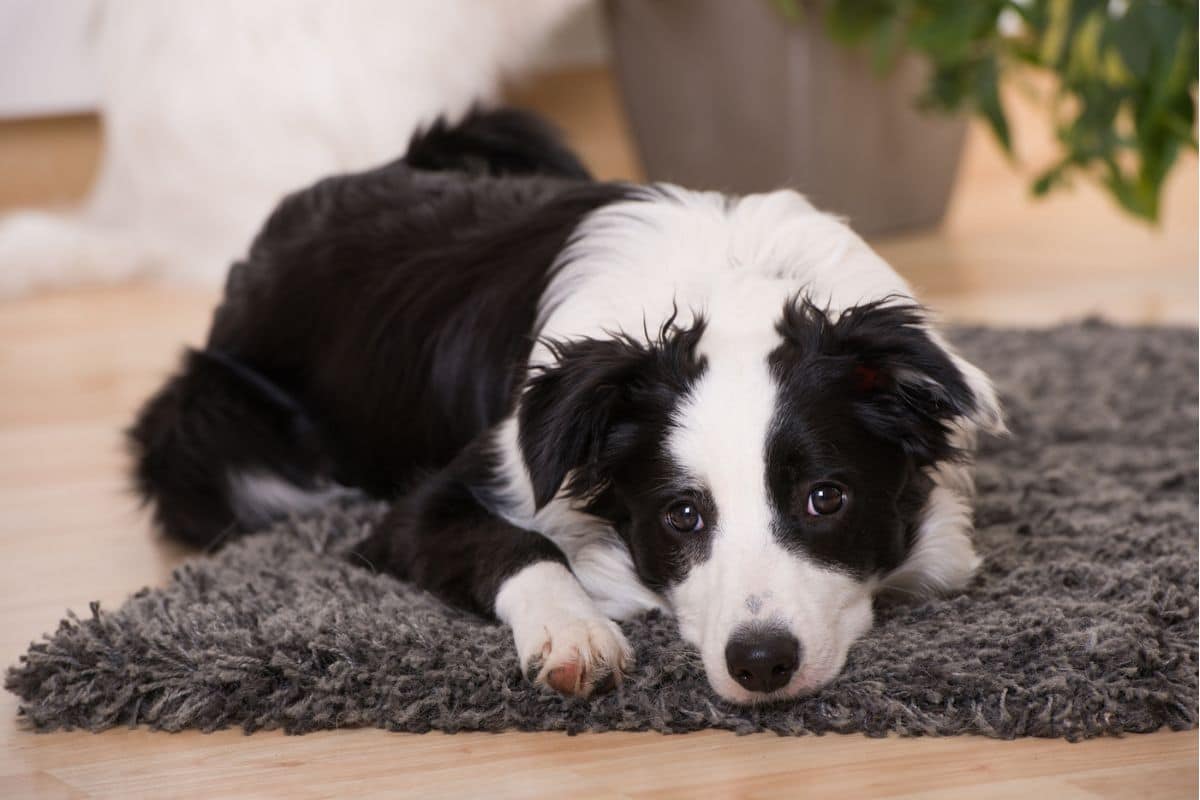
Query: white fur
{"points": [[555, 622], [258, 497], [825, 610], [943, 557], [630, 264], [736, 261], [214, 110], [633, 262]]}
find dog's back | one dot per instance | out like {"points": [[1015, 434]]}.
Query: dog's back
{"points": [[345, 352]]}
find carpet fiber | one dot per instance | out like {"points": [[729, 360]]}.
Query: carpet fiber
{"points": [[1082, 622]]}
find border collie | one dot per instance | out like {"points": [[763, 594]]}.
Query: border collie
{"points": [[584, 400]]}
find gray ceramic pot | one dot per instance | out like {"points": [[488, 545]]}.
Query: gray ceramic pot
{"points": [[729, 95]]}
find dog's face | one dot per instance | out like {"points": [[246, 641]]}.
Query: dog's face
{"points": [[762, 484]]}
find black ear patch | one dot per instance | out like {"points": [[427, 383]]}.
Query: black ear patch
{"points": [[579, 413], [902, 385]]}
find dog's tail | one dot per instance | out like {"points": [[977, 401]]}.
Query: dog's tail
{"points": [[220, 451], [498, 142]]}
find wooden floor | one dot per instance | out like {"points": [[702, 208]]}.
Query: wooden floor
{"points": [[74, 365]]}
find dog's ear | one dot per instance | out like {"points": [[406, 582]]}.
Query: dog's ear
{"points": [[905, 386], [576, 413]]}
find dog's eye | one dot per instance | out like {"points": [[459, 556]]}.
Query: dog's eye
{"points": [[825, 499], [684, 517]]}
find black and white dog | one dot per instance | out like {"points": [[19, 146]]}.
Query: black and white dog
{"points": [[585, 400]]}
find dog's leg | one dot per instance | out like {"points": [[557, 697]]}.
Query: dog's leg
{"points": [[443, 538], [559, 632]]}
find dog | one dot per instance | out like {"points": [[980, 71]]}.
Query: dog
{"points": [[583, 401], [214, 110]]}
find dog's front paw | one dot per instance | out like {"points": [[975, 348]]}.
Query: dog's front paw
{"points": [[562, 639], [575, 656]]}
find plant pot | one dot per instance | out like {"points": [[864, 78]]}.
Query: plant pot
{"points": [[732, 96]]}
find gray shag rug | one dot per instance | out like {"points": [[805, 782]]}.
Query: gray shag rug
{"points": [[1082, 622]]}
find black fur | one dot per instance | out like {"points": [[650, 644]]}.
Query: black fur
{"points": [[444, 536], [866, 401], [601, 413], [377, 301], [588, 410], [500, 142], [214, 418], [914, 389], [380, 324]]}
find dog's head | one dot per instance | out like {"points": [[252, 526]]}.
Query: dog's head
{"points": [[763, 485]]}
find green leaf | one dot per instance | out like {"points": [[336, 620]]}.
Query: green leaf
{"points": [[887, 43], [1126, 76], [853, 21], [1054, 35], [987, 100], [1132, 37], [1048, 180]]}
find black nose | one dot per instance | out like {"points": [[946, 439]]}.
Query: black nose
{"points": [[762, 661]]}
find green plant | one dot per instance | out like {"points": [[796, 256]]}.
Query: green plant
{"points": [[1124, 102]]}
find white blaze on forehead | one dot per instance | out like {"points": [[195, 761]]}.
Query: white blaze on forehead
{"points": [[721, 427], [722, 430], [719, 440]]}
